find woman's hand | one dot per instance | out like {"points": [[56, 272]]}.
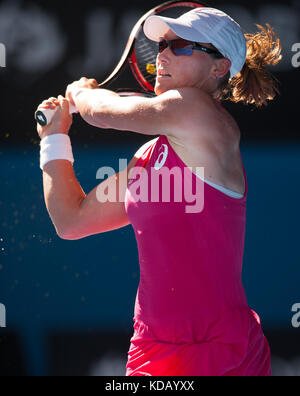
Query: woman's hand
{"points": [[76, 86], [62, 120]]}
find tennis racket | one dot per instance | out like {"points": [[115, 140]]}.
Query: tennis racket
{"points": [[140, 55]]}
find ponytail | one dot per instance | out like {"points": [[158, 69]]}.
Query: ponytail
{"points": [[254, 84]]}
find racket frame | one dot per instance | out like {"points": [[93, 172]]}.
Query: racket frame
{"points": [[129, 53], [44, 117]]}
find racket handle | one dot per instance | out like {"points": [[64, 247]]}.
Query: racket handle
{"points": [[45, 116]]}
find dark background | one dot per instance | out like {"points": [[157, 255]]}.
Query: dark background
{"points": [[53, 43], [69, 305]]}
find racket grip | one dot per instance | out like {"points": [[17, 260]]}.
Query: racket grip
{"points": [[45, 116]]}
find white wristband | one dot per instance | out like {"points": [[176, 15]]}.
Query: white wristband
{"points": [[56, 147]]}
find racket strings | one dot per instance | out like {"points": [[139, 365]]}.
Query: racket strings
{"points": [[146, 53]]}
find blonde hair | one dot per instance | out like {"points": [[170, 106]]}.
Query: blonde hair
{"points": [[254, 84]]}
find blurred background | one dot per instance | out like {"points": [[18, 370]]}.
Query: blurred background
{"points": [[69, 305]]}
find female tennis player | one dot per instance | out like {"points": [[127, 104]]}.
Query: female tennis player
{"points": [[191, 314]]}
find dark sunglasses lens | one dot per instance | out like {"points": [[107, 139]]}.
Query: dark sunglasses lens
{"points": [[178, 47], [182, 47], [179, 44]]}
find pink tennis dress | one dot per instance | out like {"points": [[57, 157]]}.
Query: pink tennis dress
{"points": [[191, 313]]}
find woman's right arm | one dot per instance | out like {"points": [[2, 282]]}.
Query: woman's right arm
{"points": [[74, 214]]}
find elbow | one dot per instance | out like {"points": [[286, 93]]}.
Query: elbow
{"points": [[64, 236], [68, 234], [68, 237], [69, 227]]}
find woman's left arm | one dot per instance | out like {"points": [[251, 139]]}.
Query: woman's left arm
{"points": [[166, 114]]}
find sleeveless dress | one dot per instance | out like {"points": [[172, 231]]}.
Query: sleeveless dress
{"points": [[191, 313]]}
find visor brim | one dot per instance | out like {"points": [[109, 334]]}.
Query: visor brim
{"points": [[157, 27]]}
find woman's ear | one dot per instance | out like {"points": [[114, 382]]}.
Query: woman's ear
{"points": [[222, 68]]}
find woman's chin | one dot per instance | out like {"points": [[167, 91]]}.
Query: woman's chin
{"points": [[161, 88]]}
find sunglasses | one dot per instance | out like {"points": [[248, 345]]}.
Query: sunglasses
{"points": [[181, 47]]}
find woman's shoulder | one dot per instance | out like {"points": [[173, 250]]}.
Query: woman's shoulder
{"points": [[197, 104], [193, 94]]}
